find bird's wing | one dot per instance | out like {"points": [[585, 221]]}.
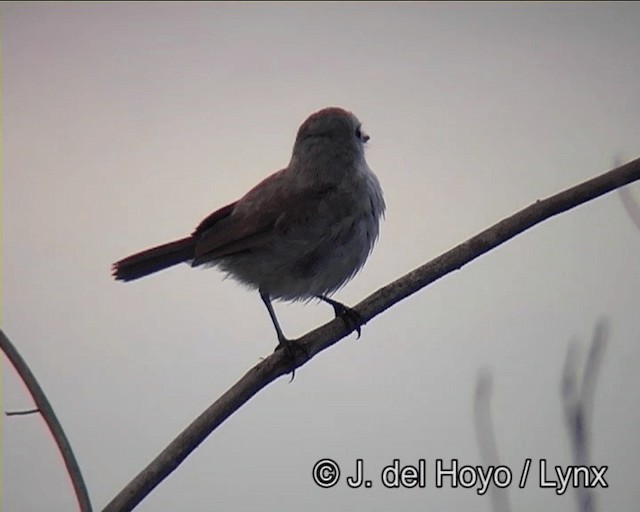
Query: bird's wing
{"points": [[270, 208], [212, 219]]}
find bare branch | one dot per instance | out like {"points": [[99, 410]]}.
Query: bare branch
{"points": [[630, 205], [323, 337], [486, 437], [592, 366], [577, 396], [50, 418], [22, 413]]}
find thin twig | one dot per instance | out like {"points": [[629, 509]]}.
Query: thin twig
{"points": [[630, 205], [486, 437], [323, 337], [50, 419], [577, 399], [22, 413]]}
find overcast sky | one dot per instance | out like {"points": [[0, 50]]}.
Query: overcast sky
{"points": [[124, 124]]}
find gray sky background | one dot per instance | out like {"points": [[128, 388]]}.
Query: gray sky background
{"points": [[123, 125]]}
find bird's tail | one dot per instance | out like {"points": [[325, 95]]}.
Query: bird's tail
{"points": [[154, 259]]}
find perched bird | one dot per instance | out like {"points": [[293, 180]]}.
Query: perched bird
{"points": [[301, 233]]}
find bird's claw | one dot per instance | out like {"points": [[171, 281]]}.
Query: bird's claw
{"points": [[351, 317], [291, 346]]}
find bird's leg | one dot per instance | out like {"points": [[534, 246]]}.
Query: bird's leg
{"points": [[283, 342], [351, 317]]}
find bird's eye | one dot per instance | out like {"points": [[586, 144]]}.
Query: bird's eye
{"points": [[361, 135]]}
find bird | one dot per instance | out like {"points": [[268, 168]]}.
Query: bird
{"points": [[300, 234]]}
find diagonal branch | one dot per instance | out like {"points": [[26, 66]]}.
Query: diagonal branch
{"points": [[323, 337], [50, 418]]}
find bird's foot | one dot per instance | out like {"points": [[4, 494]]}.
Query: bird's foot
{"points": [[352, 319], [291, 347]]}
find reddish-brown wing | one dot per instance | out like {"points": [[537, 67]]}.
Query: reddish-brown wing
{"points": [[268, 209], [212, 219]]}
